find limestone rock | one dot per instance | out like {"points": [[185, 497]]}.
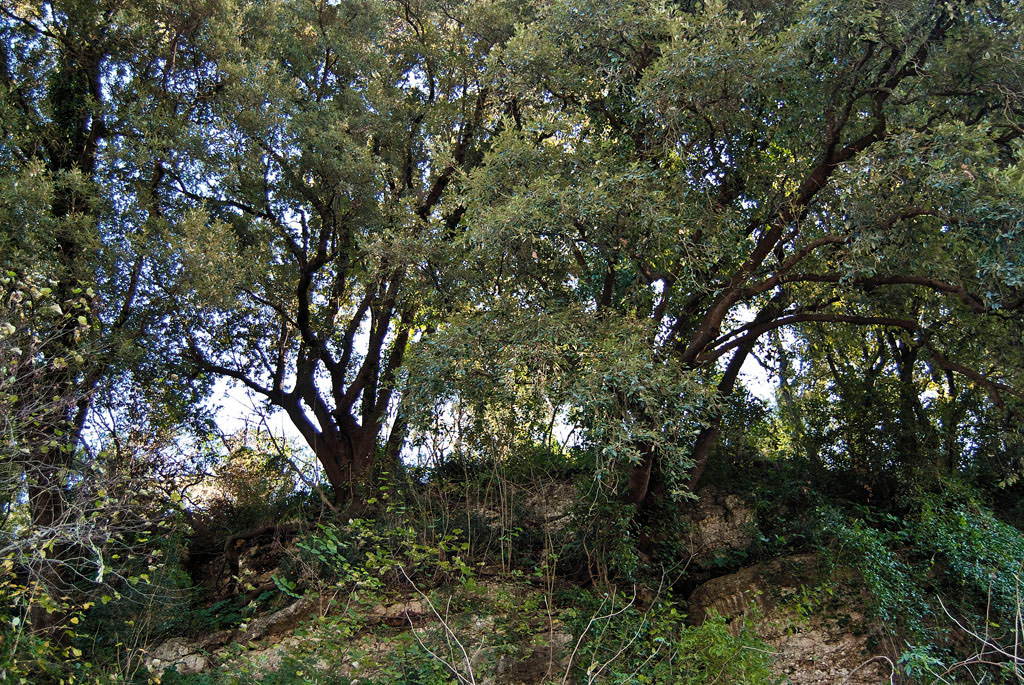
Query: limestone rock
{"points": [[762, 585], [279, 622], [827, 642], [720, 523], [184, 655], [399, 613]]}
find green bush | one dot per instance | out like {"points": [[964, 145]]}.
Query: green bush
{"points": [[976, 559], [620, 643], [371, 554]]}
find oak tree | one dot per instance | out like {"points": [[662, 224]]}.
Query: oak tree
{"points": [[313, 203], [704, 177]]}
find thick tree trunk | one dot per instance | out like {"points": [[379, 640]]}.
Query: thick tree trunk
{"points": [[706, 442], [338, 458], [71, 146], [640, 477], [48, 508], [348, 464]]}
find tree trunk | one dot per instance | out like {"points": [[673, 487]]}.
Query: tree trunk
{"points": [[348, 464], [642, 475], [71, 146]]}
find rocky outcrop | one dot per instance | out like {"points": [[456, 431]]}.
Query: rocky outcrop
{"points": [[186, 656], [760, 587], [280, 622], [189, 657], [812, 623], [721, 523], [815, 626], [546, 660]]}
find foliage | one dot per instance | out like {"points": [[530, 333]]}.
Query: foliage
{"points": [[337, 131], [619, 643], [93, 575], [936, 572], [895, 592], [602, 539], [115, 587], [682, 185], [250, 478], [30, 312], [369, 557], [975, 560], [878, 417]]}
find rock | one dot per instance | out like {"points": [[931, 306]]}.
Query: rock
{"points": [[399, 613], [268, 659], [259, 560], [217, 639], [546, 660], [184, 655], [552, 503], [279, 622], [549, 506], [812, 652], [720, 523], [761, 585], [811, 645]]}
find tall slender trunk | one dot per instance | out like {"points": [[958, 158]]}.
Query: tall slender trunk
{"points": [[642, 475], [70, 144]]}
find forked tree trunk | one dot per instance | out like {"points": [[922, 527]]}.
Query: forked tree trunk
{"points": [[348, 463]]}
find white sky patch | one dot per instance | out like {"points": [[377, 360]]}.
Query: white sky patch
{"points": [[761, 382], [233, 407], [236, 408], [757, 380]]}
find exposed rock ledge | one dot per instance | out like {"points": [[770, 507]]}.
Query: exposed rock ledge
{"points": [[817, 638], [189, 657]]}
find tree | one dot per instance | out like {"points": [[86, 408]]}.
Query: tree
{"points": [[79, 216], [313, 203], [76, 218], [707, 177], [50, 155], [879, 410]]}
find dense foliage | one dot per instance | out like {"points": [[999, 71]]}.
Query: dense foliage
{"points": [[470, 250]]}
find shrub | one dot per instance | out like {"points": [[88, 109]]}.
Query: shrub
{"points": [[617, 642]]}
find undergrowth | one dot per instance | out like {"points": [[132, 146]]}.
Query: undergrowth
{"points": [[496, 582], [939, 570]]}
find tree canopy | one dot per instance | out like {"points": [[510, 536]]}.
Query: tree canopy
{"points": [[707, 179], [613, 204]]}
